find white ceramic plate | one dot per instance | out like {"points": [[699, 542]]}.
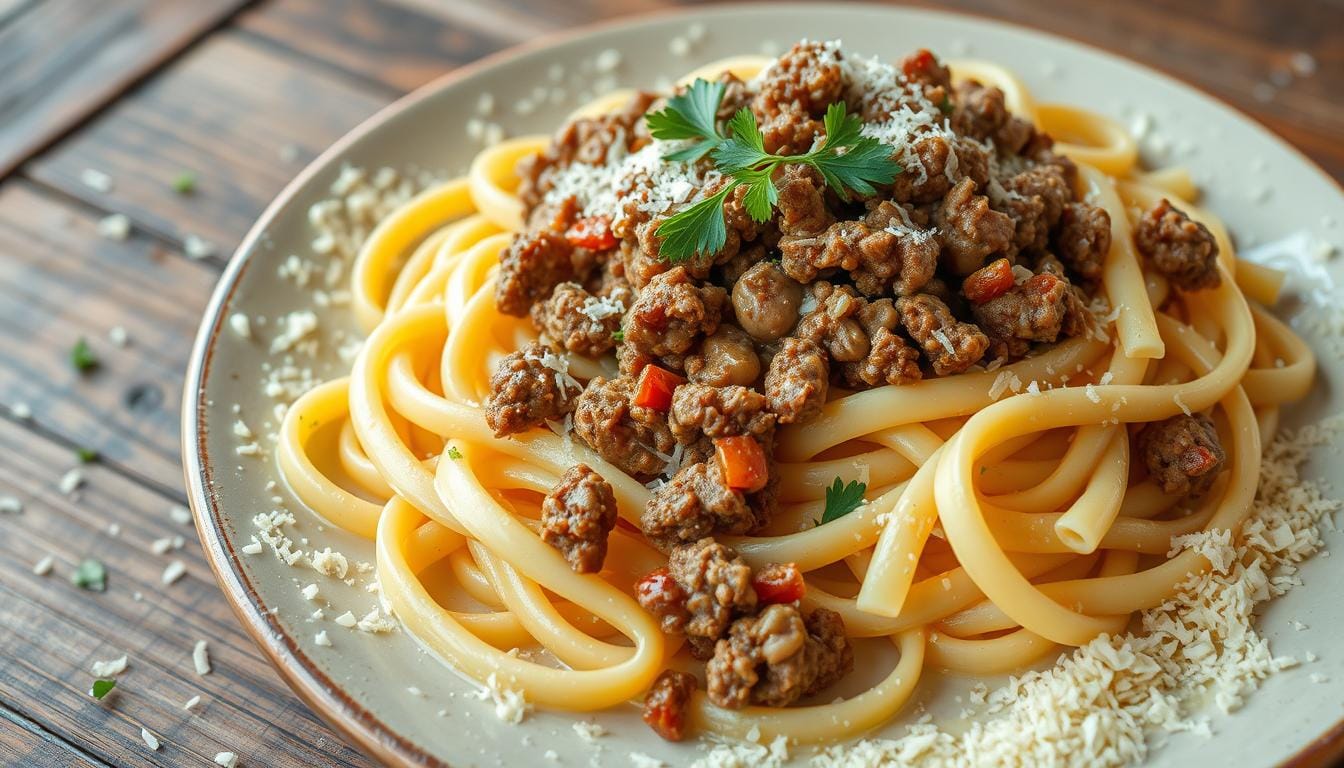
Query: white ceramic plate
{"points": [[1264, 189]]}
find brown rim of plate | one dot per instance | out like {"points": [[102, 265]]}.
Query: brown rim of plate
{"points": [[360, 726]]}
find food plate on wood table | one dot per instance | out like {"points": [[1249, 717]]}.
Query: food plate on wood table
{"points": [[795, 385]]}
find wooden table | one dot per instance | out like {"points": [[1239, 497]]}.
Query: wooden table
{"points": [[243, 95]]}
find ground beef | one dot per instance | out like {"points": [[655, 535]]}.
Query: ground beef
{"points": [[666, 705], [1047, 182], [1083, 239], [951, 346], [672, 313], [577, 516], [832, 324], [575, 319], [795, 384], [879, 260], [1183, 250], [622, 433], [1182, 453], [660, 594], [802, 211], [584, 140], [1033, 310], [969, 229], [701, 410], [890, 358], [717, 584], [922, 178], [532, 265], [736, 95], [980, 112], [641, 244], [807, 79], [524, 392], [695, 503], [790, 133], [775, 658]]}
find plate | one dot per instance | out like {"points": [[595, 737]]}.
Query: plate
{"points": [[404, 706]]}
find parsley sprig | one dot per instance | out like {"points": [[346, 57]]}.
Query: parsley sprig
{"points": [[841, 499], [849, 162]]}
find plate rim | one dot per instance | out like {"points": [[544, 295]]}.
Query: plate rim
{"points": [[316, 689]]}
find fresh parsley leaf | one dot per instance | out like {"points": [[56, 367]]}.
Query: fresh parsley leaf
{"points": [[90, 575], [453, 453], [842, 499], [698, 229], [690, 115], [850, 163], [863, 161], [946, 105], [185, 183], [761, 194], [86, 455], [618, 336], [866, 162], [745, 147], [82, 356], [101, 688]]}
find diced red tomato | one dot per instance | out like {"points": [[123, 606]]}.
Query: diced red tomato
{"points": [[917, 63], [1042, 283], [988, 282], [593, 233], [1197, 461], [653, 388], [658, 588], [742, 461], [779, 583]]}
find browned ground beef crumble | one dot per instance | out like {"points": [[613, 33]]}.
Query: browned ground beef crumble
{"points": [[979, 252], [576, 517]]}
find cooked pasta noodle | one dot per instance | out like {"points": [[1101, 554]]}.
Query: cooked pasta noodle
{"points": [[1002, 522]]}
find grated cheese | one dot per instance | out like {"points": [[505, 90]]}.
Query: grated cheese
{"points": [[200, 657], [226, 759], [510, 706], [43, 567], [174, 571], [191, 703], [321, 639], [150, 739], [109, 668]]}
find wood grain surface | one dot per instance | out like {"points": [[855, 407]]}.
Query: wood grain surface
{"points": [[243, 94]]}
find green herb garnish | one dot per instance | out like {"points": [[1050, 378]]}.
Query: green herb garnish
{"points": [[691, 115], [90, 575], [849, 162], [453, 453], [185, 183], [82, 356], [618, 336], [101, 688], [842, 499], [86, 455], [946, 105]]}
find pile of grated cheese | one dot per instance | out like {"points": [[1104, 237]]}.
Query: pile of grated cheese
{"points": [[1101, 704]]}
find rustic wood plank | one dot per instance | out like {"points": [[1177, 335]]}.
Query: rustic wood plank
{"points": [[54, 630], [24, 742], [227, 111], [396, 46], [60, 281], [64, 59]]}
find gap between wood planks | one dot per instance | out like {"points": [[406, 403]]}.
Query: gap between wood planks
{"points": [[9, 743]]}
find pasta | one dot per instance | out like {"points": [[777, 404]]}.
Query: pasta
{"points": [[1004, 515]]}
